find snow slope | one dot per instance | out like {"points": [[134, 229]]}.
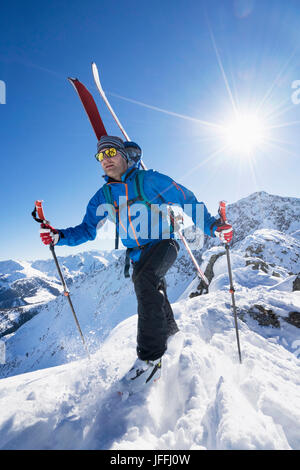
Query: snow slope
{"points": [[53, 397], [204, 400]]}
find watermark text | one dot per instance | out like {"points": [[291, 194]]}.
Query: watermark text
{"points": [[141, 223]]}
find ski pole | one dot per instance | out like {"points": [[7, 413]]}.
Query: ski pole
{"points": [[177, 230], [38, 210], [199, 271], [222, 213]]}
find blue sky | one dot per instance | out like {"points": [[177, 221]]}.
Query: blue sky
{"points": [[194, 60]]}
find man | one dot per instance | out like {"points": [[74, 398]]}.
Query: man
{"points": [[150, 256]]}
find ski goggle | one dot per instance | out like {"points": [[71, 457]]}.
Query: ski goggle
{"points": [[111, 152]]}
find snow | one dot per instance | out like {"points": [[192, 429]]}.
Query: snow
{"points": [[52, 396], [204, 400]]}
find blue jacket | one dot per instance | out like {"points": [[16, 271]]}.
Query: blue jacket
{"points": [[135, 220]]}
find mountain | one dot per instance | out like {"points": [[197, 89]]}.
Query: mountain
{"points": [[205, 398], [26, 286], [24, 282]]}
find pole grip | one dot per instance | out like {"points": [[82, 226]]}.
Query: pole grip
{"points": [[38, 213], [39, 209]]}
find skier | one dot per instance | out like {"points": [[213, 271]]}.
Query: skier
{"points": [[150, 256]]}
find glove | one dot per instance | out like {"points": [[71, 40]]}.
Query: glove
{"points": [[49, 234], [224, 232]]}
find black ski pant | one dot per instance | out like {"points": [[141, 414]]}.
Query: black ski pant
{"points": [[155, 316]]}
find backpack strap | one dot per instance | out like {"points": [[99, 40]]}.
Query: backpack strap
{"points": [[139, 188], [114, 213]]}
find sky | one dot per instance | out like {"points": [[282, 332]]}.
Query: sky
{"points": [[177, 73]]}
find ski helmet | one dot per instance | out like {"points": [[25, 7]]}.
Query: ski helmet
{"points": [[134, 151]]}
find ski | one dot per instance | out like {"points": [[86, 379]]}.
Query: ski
{"points": [[125, 389], [90, 107], [101, 91], [183, 239], [103, 95]]}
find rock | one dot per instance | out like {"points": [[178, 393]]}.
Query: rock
{"points": [[264, 317], [258, 265], [209, 273], [293, 319], [296, 283]]}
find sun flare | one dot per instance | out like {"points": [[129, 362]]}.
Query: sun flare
{"points": [[244, 134]]}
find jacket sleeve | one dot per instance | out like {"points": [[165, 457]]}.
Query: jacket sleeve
{"points": [[87, 230], [159, 187]]}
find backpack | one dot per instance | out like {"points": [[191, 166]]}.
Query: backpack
{"points": [[139, 196]]}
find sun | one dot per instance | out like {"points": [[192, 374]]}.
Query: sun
{"points": [[244, 133]]}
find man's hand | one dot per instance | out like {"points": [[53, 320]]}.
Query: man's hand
{"points": [[224, 232], [49, 234]]}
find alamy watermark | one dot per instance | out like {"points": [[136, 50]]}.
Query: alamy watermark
{"points": [[2, 92], [140, 223], [295, 97], [2, 352]]}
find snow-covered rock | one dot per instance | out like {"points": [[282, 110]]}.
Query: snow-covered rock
{"points": [[53, 397]]}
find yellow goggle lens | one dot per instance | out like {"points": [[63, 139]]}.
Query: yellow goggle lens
{"points": [[111, 152]]}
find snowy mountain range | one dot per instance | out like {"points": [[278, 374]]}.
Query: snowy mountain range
{"points": [[215, 402]]}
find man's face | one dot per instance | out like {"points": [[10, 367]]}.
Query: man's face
{"points": [[114, 167]]}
